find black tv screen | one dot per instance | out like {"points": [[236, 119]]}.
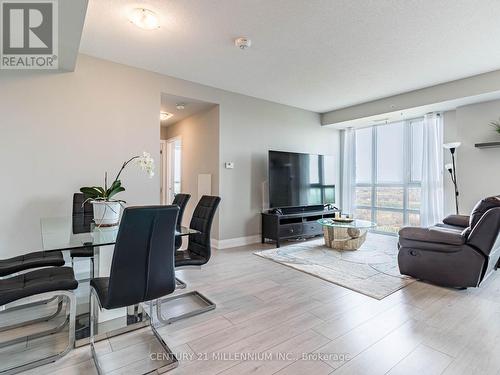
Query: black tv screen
{"points": [[300, 179]]}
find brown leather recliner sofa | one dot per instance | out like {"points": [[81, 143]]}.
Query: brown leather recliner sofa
{"points": [[460, 252]]}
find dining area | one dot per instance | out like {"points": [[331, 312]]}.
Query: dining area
{"points": [[106, 270]]}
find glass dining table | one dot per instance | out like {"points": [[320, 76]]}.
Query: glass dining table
{"points": [[74, 234]]}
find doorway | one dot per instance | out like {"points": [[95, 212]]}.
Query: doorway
{"points": [[170, 169]]}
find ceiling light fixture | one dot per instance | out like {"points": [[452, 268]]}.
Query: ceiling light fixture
{"points": [[180, 106], [144, 18], [165, 116], [243, 42]]}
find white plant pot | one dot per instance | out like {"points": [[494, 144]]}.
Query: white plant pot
{"points": [[106, 214]]}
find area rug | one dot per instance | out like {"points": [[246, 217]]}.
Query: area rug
{"points": [[371, 270]]}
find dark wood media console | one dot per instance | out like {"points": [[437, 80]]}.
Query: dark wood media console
{"points": [[277, 227]]}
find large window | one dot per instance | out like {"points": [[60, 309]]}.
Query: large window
{"points": [[389, 173]]}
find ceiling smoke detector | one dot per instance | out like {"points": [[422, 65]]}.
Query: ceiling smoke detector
{"points": [[242, 43], [180, 106]]}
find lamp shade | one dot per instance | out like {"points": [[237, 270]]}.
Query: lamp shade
{"points": [[451, 145]]}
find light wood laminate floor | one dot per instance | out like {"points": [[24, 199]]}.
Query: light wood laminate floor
{"points": [[287, 322]]}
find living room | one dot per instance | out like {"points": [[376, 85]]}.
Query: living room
{"points": [[327, 172]]}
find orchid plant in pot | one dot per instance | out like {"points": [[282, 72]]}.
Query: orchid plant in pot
{"points": [[106, 207], [496, 125]]}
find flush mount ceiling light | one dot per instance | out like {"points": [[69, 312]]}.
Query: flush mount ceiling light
{"points": [[165, 116], [144, 18], [180, 106]]}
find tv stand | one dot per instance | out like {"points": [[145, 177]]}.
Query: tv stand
{"points": [[295, 222], [301, 209]]}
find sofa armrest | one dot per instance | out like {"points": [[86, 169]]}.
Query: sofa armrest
{"points": [[457, 220], [433, 234]]}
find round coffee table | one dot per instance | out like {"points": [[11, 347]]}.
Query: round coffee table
{"points": [[343, 235]]}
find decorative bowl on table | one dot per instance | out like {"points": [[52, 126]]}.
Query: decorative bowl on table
{"points": [[343, 219]]}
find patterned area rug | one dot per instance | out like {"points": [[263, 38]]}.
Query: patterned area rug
{"points": [[371, 270]]}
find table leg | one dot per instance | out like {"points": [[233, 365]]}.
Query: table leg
{"points": [[344, 238]]}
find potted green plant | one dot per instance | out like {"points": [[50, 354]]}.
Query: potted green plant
{"points": [[496, 125], [106, 207]]}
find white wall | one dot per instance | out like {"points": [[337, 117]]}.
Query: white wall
{"points": [[61, 131], [200, 155], [478, 170]]}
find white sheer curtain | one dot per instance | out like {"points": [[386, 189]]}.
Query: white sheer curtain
{"points": [[431, 210], [348, 182]]}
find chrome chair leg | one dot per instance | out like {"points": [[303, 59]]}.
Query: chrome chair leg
{"points": [[32, 304], [42, 298], [93, 324], [209, 305], [47, 332], [179, 284], [170, 355], [17, 306]]}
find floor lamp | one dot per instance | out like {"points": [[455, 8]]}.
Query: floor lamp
{"points": [[452, 168]]}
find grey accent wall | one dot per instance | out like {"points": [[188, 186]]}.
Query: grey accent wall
{"points": [[62, 131], [478, 170], [246, 140]]}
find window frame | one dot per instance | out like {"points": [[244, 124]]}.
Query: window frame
{"points": [[407, 183]]}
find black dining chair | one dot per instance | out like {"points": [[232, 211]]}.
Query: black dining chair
{"points": [[30, 289], [21, 264], [28, 261], [82, 217], [198, 253], [181, 200], [142, 268]]}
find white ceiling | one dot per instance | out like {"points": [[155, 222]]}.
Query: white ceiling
{"points": [[192, 107], [314, 54]]}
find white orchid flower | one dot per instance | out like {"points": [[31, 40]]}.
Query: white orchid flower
{"points": [[146, 163], [99, 193]]}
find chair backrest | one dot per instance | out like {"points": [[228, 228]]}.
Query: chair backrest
{"points": [[181, 200], [202, 219], [79, 208], [143, 260], [485, 234], [481, 207], [83, 214]]}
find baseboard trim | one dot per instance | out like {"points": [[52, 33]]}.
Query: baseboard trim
{"points": [[235, 242]]}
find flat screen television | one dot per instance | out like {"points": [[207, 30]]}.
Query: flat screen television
{"points": [[297, 180]]}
